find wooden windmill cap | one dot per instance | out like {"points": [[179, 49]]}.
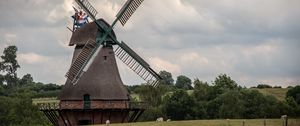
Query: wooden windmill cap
{"points": [[89, 31]]}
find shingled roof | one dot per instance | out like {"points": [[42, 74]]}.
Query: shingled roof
{"points": [[101, 81]]}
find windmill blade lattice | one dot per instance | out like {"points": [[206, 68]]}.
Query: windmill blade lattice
{"points": [[127, 10], [82, 59], [137, 64], [123, 52]]}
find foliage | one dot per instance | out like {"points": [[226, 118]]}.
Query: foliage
{"points": [[183, 82], [16, 106], [179, 106], [264, 86], [152, 113], [150, 94], [26, 79], [221, 99], [201, 90], [20, 111], [294, 93], [9, 66], [166, 78]]}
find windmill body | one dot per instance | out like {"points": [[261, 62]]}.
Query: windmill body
{"points": [[99, 94], [94, 92]]}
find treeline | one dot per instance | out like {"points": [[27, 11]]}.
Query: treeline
{"points": [[221, 99], [181, 100], [16, 93], [268, 86]]}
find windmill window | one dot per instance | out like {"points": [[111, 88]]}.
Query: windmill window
{"points": [[105, 57], [87, 101]]}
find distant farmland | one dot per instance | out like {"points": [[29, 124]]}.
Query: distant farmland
{"points": [[278, 93]]}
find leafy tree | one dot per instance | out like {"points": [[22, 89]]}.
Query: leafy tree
{"points": [[232, 105], [253, 104], [179, 105], [152, 113], [289, 107], [26, 79], [20, 111], [150, 94], [9, 65], [183, 82], [225, 82], [294, 93], [1, 79], [50, 87], [222, 84], [201, 90], [227, 105], [131, 88], [166, 78]]}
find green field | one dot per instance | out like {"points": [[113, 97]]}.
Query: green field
{"points": [[44, 100], [234, 122], [278, 93]]}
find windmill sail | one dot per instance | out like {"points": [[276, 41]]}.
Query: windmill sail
{"points": [[81, 61], [137, 64], [123, 52], [127, 10]]}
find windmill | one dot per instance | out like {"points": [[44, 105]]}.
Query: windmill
{"points": [[123, 52], [94, 92]]}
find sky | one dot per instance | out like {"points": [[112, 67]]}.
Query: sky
{"points": [[252, 41]]}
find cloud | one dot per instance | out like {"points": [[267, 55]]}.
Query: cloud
{"points": [[9, 37], [160, 64], [252, 41], [194, 58], [32, 58]]}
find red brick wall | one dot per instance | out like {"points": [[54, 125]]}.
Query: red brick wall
{"points": [[94, 104]]}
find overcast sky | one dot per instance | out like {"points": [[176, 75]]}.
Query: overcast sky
{"points": [[252, 41]]}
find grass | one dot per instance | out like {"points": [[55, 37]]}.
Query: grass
{"points": [[234, 122], [278, 93], [44, 100]]}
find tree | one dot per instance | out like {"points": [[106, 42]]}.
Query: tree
{"points": [[183, 82], [166, 78], [9, 65], [223, 83], [150, 94], [179, 105], [26, 79], [201, 90], [1, 79], [232, 105], [294, 93]]}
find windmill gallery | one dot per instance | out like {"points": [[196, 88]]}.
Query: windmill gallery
{"points": [[94, 92]]}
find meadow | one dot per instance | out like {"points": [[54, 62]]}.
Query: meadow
{"points": [[220, 122]]}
